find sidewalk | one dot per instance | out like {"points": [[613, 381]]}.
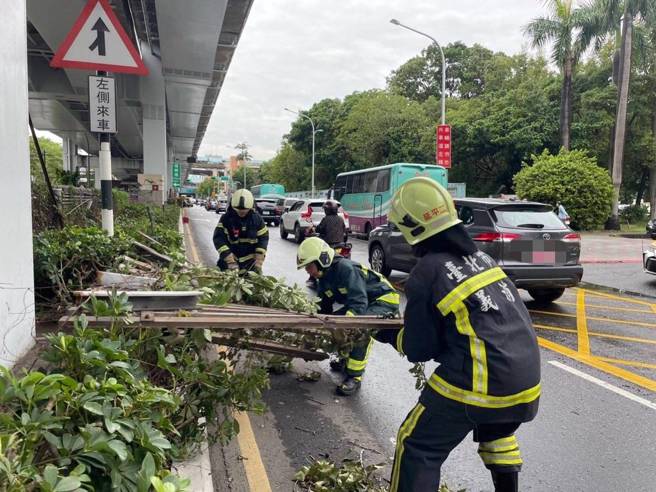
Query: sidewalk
{"points": [[599, 247]]}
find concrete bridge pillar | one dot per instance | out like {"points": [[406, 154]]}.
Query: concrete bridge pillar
{"points": [[16, 270], [69, 155], [153, 96]]}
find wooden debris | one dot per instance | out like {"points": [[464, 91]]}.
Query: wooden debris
{"points": [[269, 346], [236, 325], [151, 253]]}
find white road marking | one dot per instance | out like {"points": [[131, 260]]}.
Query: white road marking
{"points": [[604, 384]]}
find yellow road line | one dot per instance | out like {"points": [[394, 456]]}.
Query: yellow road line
{"points": [[258, 480], [597, 318], [629, 376], [623, 362], [618, 298], [582, 324], [192, 245], [596, 334], [607, 308]]}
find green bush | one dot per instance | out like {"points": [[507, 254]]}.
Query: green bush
{"points": [[117, 406], [68, 259], [574, 179]]}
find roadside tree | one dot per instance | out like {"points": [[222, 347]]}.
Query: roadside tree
{"points": [[572, 178], [561, 27]]}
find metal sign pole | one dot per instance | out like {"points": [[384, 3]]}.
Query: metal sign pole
{"points": [[105, 158]]}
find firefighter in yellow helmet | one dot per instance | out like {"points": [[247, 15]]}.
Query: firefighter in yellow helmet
{"points": [[241, 237], [359, 290], [463, 312]]}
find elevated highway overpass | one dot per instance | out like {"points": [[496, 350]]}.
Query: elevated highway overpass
{"points": [[187, 46]]}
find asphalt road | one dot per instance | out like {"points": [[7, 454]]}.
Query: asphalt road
{"points": [[596, 429]]}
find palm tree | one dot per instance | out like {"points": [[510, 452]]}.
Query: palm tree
{"points": [[604, 17], [561, 27]]}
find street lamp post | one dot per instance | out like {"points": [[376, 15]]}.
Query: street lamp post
{"points": [[397, 23], [314, 133]]}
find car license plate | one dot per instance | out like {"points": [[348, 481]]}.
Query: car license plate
{"points": [[266, 212], [544, 257]]}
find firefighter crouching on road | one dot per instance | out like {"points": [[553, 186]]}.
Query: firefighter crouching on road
{"points": [[463, 312], [241, 237], [359, 290]]}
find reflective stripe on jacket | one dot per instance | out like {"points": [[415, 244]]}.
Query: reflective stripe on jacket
{"points": [[466, 314], [354, 286], [244, 238]]}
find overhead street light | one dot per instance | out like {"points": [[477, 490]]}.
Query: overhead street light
{"points": [[397, 23], [314, 133]]}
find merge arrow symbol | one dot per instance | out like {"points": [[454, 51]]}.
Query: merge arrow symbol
{"points": [[99, 43]]}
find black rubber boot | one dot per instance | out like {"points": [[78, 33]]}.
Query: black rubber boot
{"points": [[350, 386], [505, 482], [338, 365]]}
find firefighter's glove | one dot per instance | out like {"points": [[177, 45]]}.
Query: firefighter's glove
{"points": [[231, 261], [259, 261]]}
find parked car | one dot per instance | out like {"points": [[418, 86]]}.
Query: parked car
{"points": [[201, 202], [268, 209], [530, 243], [221, 205], [651, 228], [303, 215], [211, 204]]}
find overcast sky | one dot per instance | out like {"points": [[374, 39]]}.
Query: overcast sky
{"points": [[294, 53]]}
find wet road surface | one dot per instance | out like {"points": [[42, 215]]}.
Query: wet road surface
{"points": [[596, 429]]}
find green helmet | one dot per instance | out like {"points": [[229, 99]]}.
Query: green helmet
{"points": [[314, 249], [422, 208], [242, 199]]}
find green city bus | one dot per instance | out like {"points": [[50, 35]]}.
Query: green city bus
{"points": [[366, 194], [267, 189]]}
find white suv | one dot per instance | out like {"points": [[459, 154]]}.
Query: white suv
{"points": [[304, 214]]}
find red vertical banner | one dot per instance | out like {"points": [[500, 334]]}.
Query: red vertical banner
{"points": [[443, 146]]}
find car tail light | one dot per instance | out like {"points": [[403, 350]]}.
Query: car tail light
{"points": [[495, 237], [307, 215], [572, 237], [346, 216]]}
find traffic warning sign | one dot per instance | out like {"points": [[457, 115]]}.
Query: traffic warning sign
{"points": [[99, 42]]}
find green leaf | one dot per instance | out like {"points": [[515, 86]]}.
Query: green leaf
{"points": [[119, 448], [145, 474], [93, 407], [68, 484], [50, 475]]}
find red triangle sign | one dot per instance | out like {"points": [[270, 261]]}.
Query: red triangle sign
{"points": [[99, 42]]}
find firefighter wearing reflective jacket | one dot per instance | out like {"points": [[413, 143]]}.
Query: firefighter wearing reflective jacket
{"points": [[241, 237], [359, 290], [463, 312]]}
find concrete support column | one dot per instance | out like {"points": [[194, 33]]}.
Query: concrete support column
{"points": [[16, 267], [153, 97], [69, 155]]}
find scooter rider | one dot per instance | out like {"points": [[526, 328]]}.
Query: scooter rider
{"points": [[463, 312], [332, 228], [359, 290], [241, 237]]}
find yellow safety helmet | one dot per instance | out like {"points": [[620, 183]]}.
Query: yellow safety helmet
{"points": [[422, 208], [314, 249], [242, 199]]}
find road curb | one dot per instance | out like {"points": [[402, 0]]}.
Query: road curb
{"points": [[614, 290], [197, 469]]}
